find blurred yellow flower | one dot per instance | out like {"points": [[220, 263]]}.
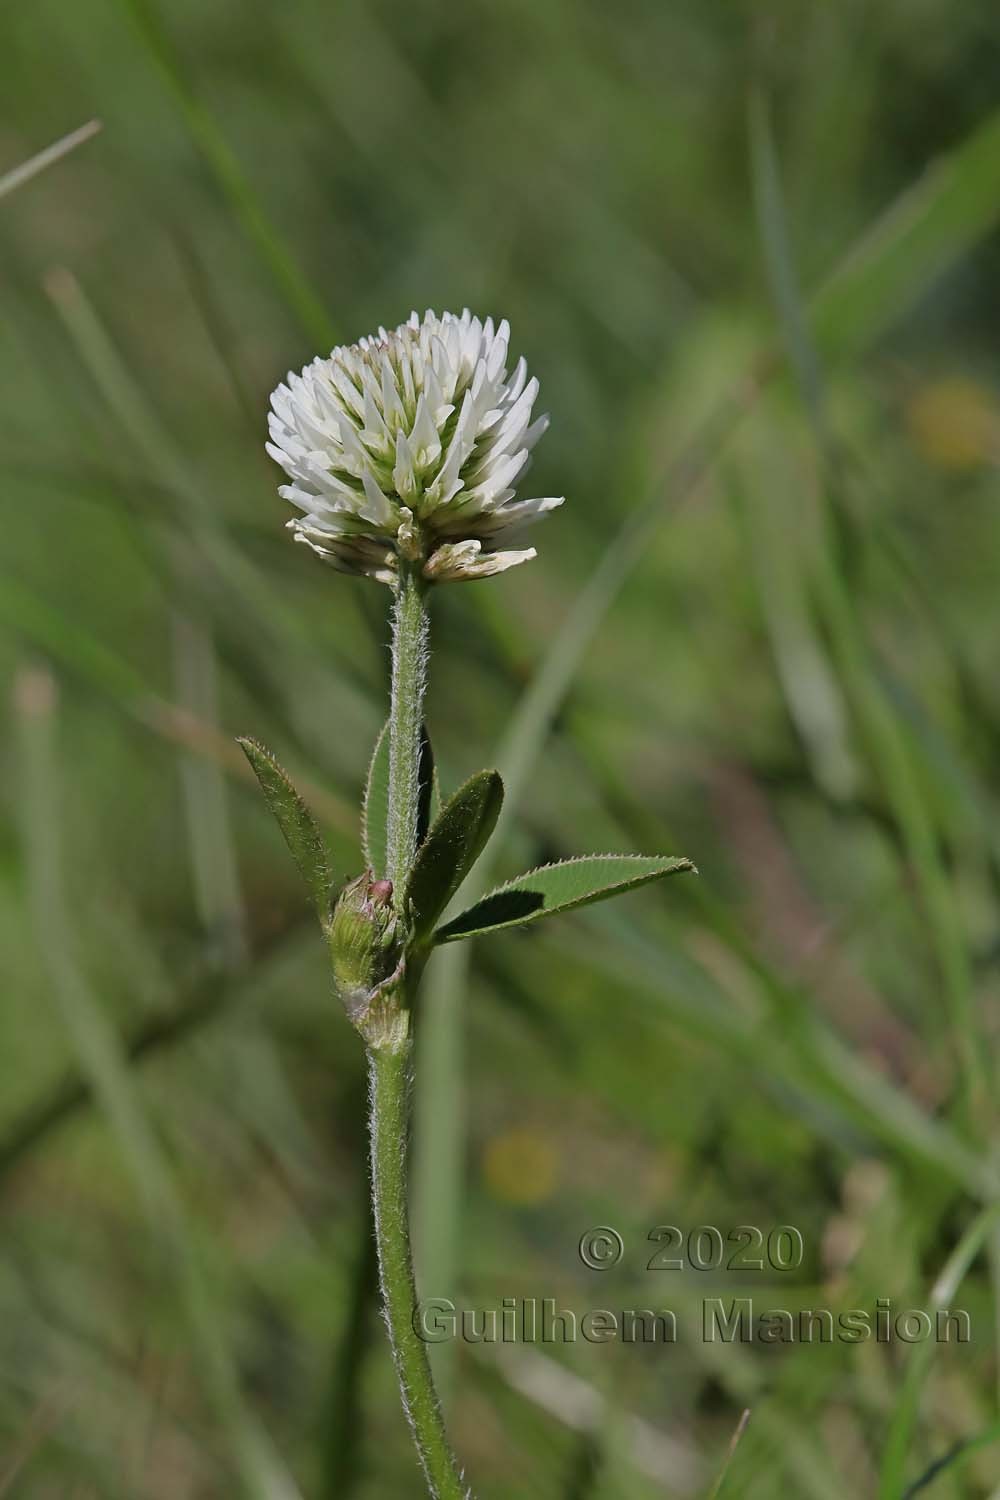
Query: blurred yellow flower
{"points": [[519, 1166], [955, 423]]}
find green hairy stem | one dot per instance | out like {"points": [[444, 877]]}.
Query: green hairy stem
{"points": [[390, 1110], [389, 1066], [409, 682]]}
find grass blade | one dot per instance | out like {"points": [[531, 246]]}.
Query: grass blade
{"points": [[955, 1457], [734, 1442], [901, 1430], [882, 729], [204, 1000], [224, 165], [261, 1471], [18, 176], [199, 527], [951, 207], [206, 806], [46, 629]]}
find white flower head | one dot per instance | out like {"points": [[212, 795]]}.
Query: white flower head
{"points": [[409, 444]]}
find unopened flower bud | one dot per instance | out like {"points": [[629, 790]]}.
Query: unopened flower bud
{"points": [[366, 954]]}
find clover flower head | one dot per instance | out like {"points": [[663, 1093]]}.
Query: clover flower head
{"points": [[408, 445]]}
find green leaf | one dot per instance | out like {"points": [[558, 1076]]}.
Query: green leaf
{"points": [[456, 840], [560, 887], [296, 822], [273, 247], [375, 811]]}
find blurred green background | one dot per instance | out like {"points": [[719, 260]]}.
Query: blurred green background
{"points": [[750, 252]]}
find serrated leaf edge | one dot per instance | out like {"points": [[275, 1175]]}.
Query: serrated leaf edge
{"points": [[683, 865], [243, 740]]}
